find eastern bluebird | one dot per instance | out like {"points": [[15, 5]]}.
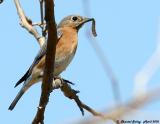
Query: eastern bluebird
{"points": [[67, 31]]}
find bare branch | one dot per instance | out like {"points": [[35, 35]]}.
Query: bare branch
{"points": [[1, 1], [102, 57], [25, 24], [50, 58], [38, 24], [149, 69], [118, 112], [42, 17], [72, 94]]}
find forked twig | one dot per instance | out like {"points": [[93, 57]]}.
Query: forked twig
{"points": [[72, 94], [25, 24]]}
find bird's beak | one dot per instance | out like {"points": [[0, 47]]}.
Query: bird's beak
{"points": [[85, 20]]}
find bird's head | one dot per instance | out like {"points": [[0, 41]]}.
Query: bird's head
{"points": [[74, 21]]}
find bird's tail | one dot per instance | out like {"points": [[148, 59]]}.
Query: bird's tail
{"points": [[19, 95], [24, 88]]}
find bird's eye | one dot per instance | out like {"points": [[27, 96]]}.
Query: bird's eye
{"points": [[74, 18]]}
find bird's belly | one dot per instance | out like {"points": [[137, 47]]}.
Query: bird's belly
{"points": [[62, 63]]}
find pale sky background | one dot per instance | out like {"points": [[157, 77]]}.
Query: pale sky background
{"points": [[127, 33]]}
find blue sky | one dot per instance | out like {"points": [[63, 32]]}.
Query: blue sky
{"points": [[127, 33]]}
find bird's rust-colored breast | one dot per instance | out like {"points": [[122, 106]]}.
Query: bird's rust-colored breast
{"points": [[65, 50], [67, 42]]}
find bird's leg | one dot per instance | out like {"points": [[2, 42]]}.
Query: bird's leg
{"points": [[70, 93], [57, 83], [63, 80]]}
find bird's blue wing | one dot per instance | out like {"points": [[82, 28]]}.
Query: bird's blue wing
{"points": [[40, 54], [43, 50]]}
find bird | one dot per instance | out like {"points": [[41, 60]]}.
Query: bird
{"points": [[67, 34]]}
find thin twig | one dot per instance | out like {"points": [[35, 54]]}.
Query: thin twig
{"points": [[70, 93], [1, 1], [117, 113], [42, 17], [50, 60], [149, 69], [37, 24], [100, 54], [25, 24]]}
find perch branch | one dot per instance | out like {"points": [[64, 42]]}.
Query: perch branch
{"points": [[72, 94], [50, 57]]}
